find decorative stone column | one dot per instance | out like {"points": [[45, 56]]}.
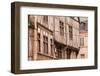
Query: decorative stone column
{"points": [[35, 45], [35, 39]]}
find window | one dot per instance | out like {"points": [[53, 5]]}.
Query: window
{"points": [[58, 54], [38, 44], [51, 45], [81, 41], [82, 55], [45, 19], [83, 27], [61, 27], [45, 44], [70, 32], [68, 53]]}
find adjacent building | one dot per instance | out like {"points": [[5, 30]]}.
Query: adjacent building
{"points": [[83, 53], [53, 37]]}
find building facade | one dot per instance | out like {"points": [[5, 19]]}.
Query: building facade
{"points": [[53, 37], [83, 53]]}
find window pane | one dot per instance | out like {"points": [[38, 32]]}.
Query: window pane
{"points": [[70, 33], [61, 27], [45, 44], [51, 45], [45, 19], [81, 41], [38, 44], [82, 55]]}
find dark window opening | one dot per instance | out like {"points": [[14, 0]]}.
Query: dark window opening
{"points": [[61, 27], [45, 44], [70, 32]]}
